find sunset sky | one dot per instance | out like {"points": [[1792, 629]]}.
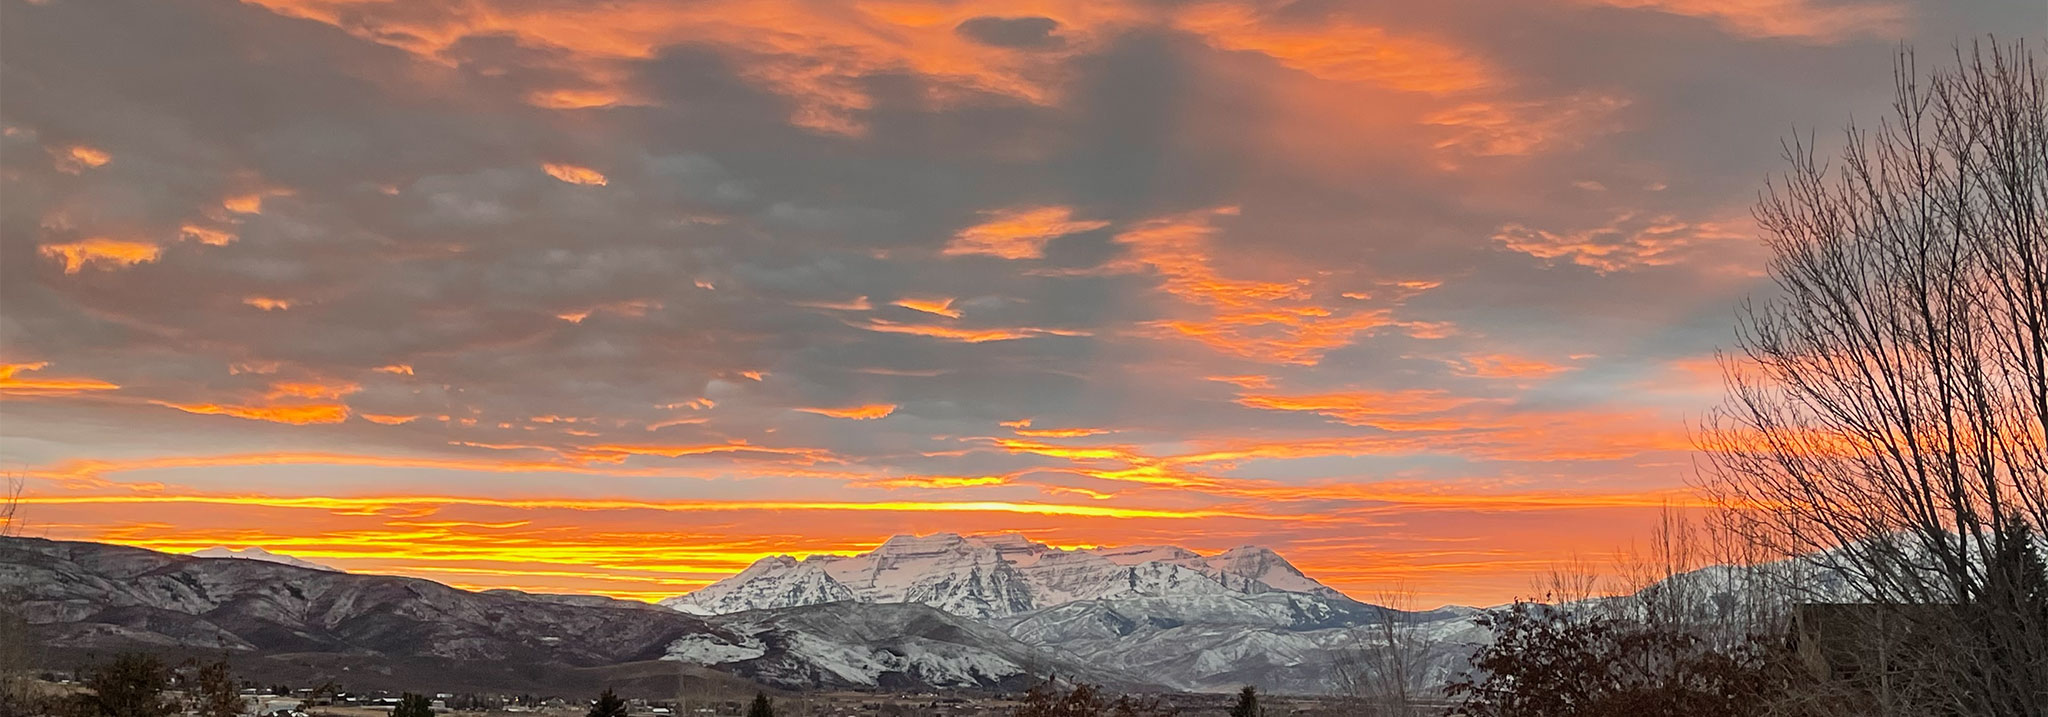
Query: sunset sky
{"points": [[618, 297]]}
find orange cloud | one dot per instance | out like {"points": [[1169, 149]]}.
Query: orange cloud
{"points": [[243, 204], [1506, 366], [387, 419], [1263, 320], [1023, 427], [1632, 242], [88, 252], [87, 470], [77, 158], [859, 413], [13, 383], [1062, 432], [268, 304], [1800, 19], [203, 235], [634, 308], [296, 414], [939, 306], [972, 336], [1524, 128], [570, 99], [1018, 233], [293, 402], [311, 389], [941, 481], [857, 304], [815, 56], [1341, 51], [1491, 428], [614, 452], [573, 174], [1244, 380], [397, 368]]}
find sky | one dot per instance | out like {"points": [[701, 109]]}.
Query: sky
{"points": [[618, 297]]}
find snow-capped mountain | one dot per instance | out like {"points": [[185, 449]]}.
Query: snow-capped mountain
{"points": [[996, 576], [1178, 618], [256, 553]]}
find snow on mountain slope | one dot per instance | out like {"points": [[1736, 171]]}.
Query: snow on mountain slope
{"points": [[897, 646], [779, 581], [994, 576], [1281, 641], [256, 553]]}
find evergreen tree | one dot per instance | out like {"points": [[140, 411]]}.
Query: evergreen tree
{"points": [[213, 692], [1247, 703], [132, 685], [413, 705], [762, 707], [608, 704]]}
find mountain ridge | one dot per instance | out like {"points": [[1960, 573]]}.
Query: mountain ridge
{"points": [[994, 576]]}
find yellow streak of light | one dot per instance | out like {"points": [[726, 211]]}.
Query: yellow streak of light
{"points": [[11, 382], [363, 504], [858, 413]]}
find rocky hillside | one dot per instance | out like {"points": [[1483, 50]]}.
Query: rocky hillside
{"points": [[90, 594]]}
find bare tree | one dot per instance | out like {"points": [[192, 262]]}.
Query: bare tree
{"points": [[18, 644], [10, 505], [1389, 669], [1887, 417]]}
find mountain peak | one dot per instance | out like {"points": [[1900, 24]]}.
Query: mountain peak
{"points": [[1250, 550], [1009, 542], [911, 543], [1260, 565]]}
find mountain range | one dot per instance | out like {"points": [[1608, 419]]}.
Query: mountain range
{"points": [[919, 612], [1184, 620]]}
